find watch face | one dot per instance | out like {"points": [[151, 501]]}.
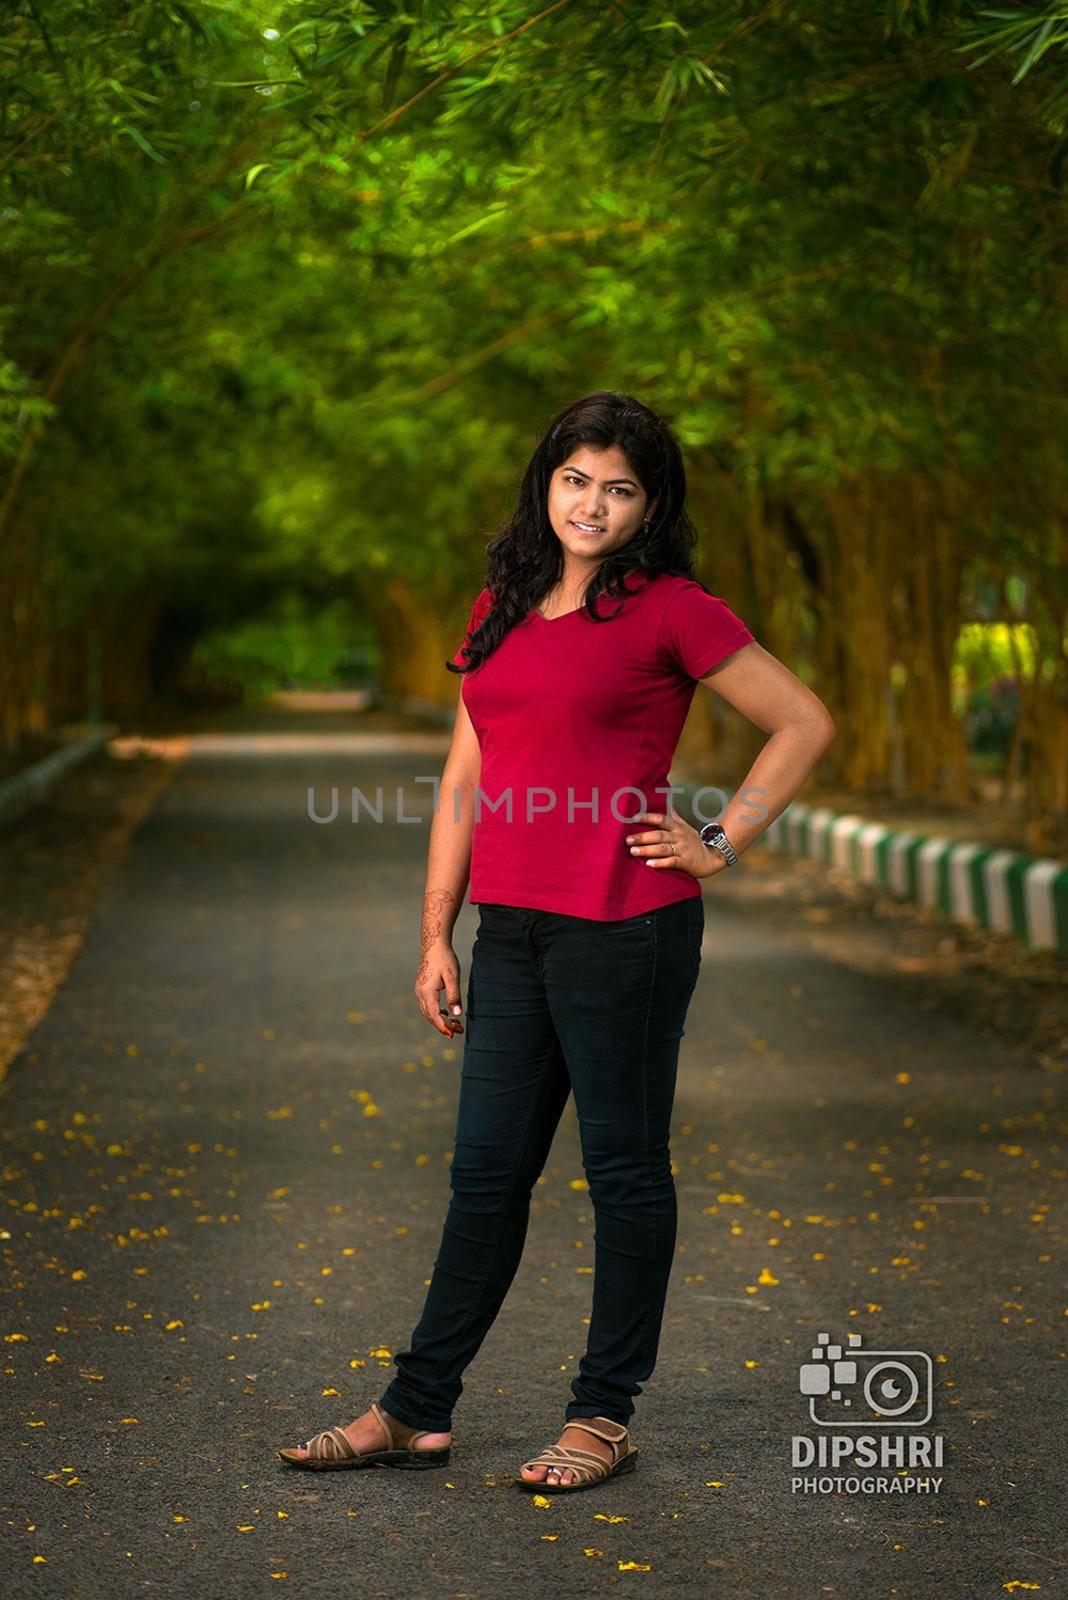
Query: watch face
{"points": [[713, 836]]}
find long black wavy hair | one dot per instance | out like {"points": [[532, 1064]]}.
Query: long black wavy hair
{"points": [[526, 559]]}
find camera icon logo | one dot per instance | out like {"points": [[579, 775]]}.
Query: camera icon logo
{"points": [[891, 1388]]}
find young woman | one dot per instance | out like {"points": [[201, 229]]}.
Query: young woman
{"points": [[581, 657]]}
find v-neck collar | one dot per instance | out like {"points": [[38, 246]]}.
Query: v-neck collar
{"points": [[561, 618], [629, 584]]}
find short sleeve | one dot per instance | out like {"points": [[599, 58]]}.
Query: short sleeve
{"points": [[478, 612], [698, 630]]}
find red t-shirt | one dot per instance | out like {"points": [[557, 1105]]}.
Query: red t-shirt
{"points": [[594, 708]]}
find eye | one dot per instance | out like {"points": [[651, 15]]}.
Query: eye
{"points": [[619, 488]]}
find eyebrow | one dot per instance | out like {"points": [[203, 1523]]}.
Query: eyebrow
{"points": [[607, 480]]}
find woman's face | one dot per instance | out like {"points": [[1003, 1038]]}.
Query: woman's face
{"points": [[596, 504]]}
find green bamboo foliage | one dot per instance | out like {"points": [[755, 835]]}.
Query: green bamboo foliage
{"points": [[284, 302]]}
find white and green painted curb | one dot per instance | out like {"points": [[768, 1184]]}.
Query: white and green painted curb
{"points": [[1004, 890], [24, 789]]}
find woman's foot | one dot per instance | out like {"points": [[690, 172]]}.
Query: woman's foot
{"points": [[367, 1433], [580, 1440]]}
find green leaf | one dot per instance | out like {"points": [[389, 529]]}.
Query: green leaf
{"points": [[140, 140]]}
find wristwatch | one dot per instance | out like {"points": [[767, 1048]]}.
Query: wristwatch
{"points": [[715, 838]]}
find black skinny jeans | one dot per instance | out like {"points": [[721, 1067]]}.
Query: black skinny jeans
{"points": [[557, 1003]]}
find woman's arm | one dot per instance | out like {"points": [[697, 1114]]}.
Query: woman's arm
{"points": [[448, 869], [774, 698], [801, 728], [763, 689]]}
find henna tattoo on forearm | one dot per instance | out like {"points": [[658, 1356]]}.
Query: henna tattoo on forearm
{"points": [[436, 904]]}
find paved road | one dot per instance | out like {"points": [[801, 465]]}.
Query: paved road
{"points": [[225, 1157]]}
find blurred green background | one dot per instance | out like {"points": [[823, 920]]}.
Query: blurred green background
{"points": [[289, 292]]}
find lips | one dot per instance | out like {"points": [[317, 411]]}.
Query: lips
{"points": [[587, 527]]}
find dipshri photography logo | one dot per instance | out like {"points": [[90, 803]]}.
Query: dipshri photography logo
{"points": [[866, 1402]]}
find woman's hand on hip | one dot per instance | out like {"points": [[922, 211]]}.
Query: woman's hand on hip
{"points": [[439, 969], [653, 845]]}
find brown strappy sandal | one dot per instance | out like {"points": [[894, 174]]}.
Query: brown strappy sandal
{"points": [[587, 1467], [331, 1449]]}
